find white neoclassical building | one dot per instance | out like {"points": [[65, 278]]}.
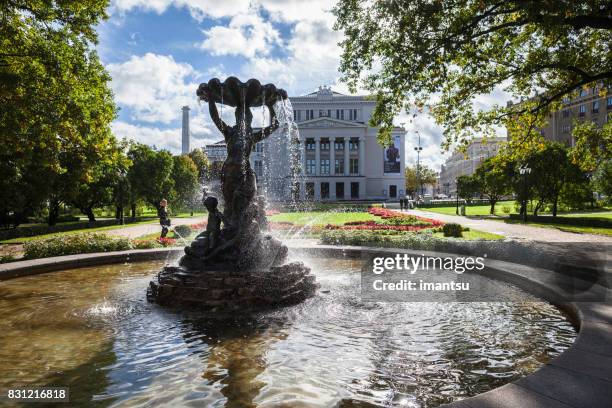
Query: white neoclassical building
{"points": [[340, 157]]}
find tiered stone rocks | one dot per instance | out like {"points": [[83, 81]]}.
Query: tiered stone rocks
{"points": [[226, 290]]}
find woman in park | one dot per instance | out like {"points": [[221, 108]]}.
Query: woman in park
{"points": [[164, 221]]}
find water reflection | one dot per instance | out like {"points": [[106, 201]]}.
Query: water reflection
{"points": [[92, 329]]}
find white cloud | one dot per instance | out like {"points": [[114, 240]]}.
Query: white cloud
{"points": [[246, 34], [168, 139], [153, 87], [197, 8], [313, 59]]}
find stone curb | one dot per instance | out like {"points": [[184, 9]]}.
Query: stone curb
{"points": [[581, 377]]}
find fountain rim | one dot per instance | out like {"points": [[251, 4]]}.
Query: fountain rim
{"points": [[593, 321]]}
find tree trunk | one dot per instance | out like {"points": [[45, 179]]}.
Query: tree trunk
{"points": [[54, 207], [117, 212], [89, 213], [493, 202], [133, 209], [537, 208], [554, 211]]}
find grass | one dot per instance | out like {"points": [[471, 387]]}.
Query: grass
{"points": [[474, 235], [319, 218], [474, 210], [569, 228]]}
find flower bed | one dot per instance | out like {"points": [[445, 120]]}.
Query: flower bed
{"points": [[390, 221]]}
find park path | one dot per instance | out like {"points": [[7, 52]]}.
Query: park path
{"points": [[153, 227], [515, 231]]}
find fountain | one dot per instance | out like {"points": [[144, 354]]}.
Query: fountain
{"points": [[235, 263]]}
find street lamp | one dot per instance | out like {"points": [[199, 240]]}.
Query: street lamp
{"points": [[418, 149], [524, 171]]}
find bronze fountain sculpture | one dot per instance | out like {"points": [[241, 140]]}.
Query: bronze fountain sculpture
{"points": [[235, 263]]}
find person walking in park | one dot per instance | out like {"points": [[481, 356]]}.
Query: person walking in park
{"points": [[164, 221], [401, 204]]}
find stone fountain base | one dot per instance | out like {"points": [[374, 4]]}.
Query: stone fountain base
{"points": [[283, 285]]}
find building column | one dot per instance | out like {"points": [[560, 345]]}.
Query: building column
{"points": [[303, 158], [362, 156], [332, 189], [332, 157], [346, 156], [317, 190], [317, 156]]}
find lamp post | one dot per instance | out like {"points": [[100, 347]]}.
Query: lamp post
{"points": [[524, 171], [456, 196], [418, 149]]}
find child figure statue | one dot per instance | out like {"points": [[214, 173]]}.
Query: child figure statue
{"points": [[208, 239]]}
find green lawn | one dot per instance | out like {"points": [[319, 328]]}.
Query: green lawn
{"points": [[318, 218], [473, 235], [475, 210], [569, 228]]}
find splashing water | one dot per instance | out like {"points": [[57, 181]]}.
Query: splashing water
{"points": [[291, 133]]}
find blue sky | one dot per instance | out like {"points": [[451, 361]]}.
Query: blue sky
{"points": [[158, 51]]}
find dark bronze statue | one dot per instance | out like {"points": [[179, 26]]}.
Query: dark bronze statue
{"points": [[235, 263]]}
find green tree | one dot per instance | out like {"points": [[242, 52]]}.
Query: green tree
{"points": [[185, 177], [405, 52], [425, 176], [602, 179], [202, 163], [150, 175], [467, 187], [492, 181], [552, 169], [55, 99]]}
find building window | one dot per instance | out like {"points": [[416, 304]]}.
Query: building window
{"points": [[339, 166], [609, 102], [309, 190], [259, 147], [339, 145], [354, 145], [582, 110], [329, 113], [584, 92], [310, 144], [297, 115], [340, 191], [339, 113], [352, 114], [325, 144], [354, 190], [324, 190], [566, 128], [309, 114], [595, 107], [354, 166], [393, 191], [258, 168], [310, 166], [566, 113], [325, 166]]}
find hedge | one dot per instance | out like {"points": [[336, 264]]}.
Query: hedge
{"points": [[34, 230], [74, 244]]}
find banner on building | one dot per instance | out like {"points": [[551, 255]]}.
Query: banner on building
{"points": [[391, 159]]}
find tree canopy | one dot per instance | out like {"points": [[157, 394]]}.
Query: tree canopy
{"points": [[441, 55], [56, 105]]}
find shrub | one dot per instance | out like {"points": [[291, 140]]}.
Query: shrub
{"points": [[183, 230], [389, 239], [506, 209], [146, 244], [452, 230], [74, 244]]}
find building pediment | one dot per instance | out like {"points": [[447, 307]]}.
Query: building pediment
{"points": [[329, 123]]}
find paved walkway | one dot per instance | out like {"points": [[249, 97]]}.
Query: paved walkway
{"points": [[153, 227], [516, 231]]}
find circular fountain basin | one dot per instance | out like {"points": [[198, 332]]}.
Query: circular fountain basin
{"points": [[92, 329]]}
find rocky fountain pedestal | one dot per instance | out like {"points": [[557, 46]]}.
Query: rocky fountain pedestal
{"points": [[235, 264]]}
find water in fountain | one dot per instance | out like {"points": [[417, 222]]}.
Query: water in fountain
{"points": [[284, 112]]}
